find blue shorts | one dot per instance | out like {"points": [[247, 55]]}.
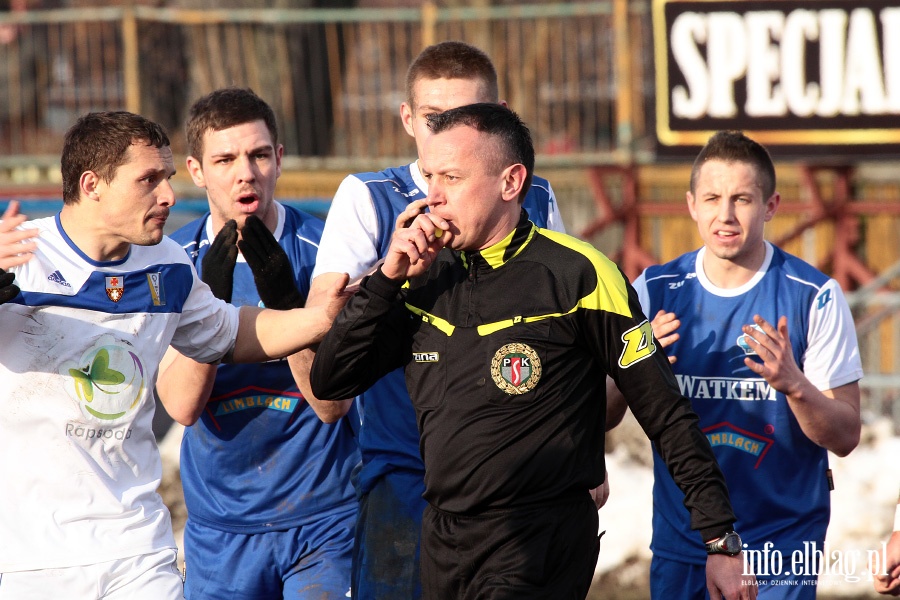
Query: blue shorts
{"points": [[672, 579], [388, 532], [308, 562]]}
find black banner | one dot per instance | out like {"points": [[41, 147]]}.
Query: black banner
{"points": [[802, 77]]}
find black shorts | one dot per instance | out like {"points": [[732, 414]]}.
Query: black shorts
{"points": [[540, 552]]}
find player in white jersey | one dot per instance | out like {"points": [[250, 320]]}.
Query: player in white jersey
{"points": [[764, 346], [102, 293]]}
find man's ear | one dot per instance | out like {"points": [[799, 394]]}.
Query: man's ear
{"points": [[89, 185], [279, 153], [772, 205], [406, 116], [513, 181], [195, 168], [692, 207]]}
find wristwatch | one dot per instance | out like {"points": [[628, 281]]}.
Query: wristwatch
{"points": [[729, 544]]}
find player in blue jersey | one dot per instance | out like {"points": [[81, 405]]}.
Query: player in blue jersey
{"points": [[764, 346], [102, 294], [358, 231], [264, 465]]}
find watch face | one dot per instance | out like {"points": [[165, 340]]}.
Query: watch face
{"points": [[732, 543]]}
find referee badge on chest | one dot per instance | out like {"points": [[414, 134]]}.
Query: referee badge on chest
{"points": [[516, 368]]}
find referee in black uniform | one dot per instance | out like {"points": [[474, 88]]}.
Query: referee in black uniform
{"points": [[507, 332]]}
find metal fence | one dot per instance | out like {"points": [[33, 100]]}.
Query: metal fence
{"points": [[578, 73]]}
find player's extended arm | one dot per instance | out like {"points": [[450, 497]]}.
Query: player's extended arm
{"points": [[829, 418], [274, 277], [184, 385], [265, 334], [328, 411]]}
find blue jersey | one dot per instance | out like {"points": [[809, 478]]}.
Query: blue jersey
{"points": [[259, 458], [389, 438], [777, 477]]}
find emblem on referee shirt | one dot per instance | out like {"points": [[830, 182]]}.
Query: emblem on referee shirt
{"points": [[516, 368], [115, 287]]}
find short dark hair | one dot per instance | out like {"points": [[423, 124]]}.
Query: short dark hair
{"points": [[453, 60], [734, 146], [513, 137], [224, 108], [99, 142]]}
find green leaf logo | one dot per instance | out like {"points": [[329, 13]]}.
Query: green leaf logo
{"points": [[99, 374], [83, 386], [108, 380]]}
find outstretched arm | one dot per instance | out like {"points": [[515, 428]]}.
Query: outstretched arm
{"points": [[274, 277], [328, 411], [184, 385], [265, 334]]}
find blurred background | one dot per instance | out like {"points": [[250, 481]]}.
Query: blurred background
{"points": [[618, 97]]}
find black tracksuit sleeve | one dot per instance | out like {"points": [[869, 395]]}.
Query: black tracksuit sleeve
{"points": [[642, 373], [369, 338]]}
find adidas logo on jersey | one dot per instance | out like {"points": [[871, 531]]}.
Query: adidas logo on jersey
{"points": [[56, 277]]}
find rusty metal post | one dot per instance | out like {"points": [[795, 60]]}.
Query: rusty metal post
{"points": [[624, 79], [429, 23], [131, 61]]}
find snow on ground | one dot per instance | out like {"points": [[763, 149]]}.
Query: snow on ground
{"points": [[863, 501], [626, 515]]}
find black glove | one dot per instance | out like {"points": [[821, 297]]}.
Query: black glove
{"points": [[218, 264], [8, 289], [272, 270]]}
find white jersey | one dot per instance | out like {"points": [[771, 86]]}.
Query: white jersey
{"points": [[81, 348]]}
